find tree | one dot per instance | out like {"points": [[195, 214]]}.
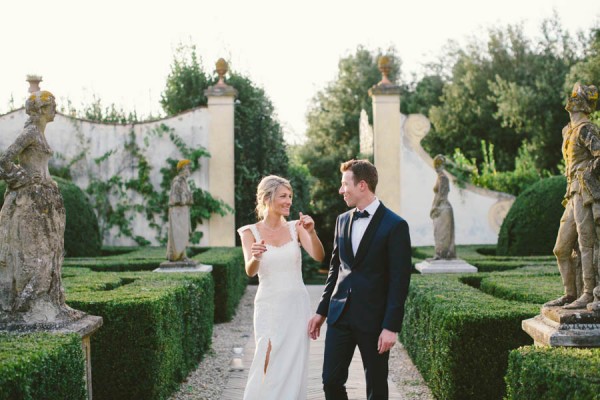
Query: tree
{"points": [[427, 93], [332, 131], [186, 82], [259, 146], [505, 91]]}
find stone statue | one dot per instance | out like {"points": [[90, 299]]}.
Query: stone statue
{"points": [[32, 225], [180, 200], [441, 214], [579, 223]]}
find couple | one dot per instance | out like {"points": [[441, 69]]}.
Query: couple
{"points": [[364, 295]]}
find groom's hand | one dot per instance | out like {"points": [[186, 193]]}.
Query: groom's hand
{"points": [[314, 326], [387, 339]]}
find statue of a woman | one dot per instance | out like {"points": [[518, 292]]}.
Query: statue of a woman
{"points": [[180, 200], [32, 225], [441, 214]]}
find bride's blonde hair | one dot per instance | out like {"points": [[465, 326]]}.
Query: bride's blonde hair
{"points": [[266, 191]]}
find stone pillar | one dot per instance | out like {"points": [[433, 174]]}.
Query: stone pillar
{"points": [[221, 183], [387, 138]]}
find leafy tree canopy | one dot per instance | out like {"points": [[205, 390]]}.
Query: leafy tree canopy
{"points": [[259, 146], [505, 90], [332, 130]]}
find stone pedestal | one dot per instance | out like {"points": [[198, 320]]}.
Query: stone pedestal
{"points": [[183, 266], [84, 326], [455, 266], [556, 326]]}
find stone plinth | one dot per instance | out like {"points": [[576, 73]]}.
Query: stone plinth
{"points": [[183, 266], [84, 326], [455, 266], [556, 326]]}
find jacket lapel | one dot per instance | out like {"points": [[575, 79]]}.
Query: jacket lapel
{"points": [[349, 254], [367, 238]]}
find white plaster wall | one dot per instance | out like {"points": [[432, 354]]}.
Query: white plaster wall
{"points": [[68, 137], [478, 213]]}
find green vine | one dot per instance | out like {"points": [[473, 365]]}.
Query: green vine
{"points": [[117, 199]]}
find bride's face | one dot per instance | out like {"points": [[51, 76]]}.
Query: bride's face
{"points": [[282, 201]]}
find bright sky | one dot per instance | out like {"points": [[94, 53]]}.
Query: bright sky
{"points": [[121, 50]]}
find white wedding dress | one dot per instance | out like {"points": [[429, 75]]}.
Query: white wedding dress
{"points": [[281, 314]]}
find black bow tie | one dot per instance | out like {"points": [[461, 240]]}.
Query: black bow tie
{"points": [[360, 214]]}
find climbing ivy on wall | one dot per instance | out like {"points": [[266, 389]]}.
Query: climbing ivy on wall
{"points": [[118, 199]]}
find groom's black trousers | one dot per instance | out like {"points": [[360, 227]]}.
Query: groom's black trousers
{"points": [[340, 342]]}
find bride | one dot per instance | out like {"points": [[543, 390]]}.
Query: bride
{"points": [[282, 306]]}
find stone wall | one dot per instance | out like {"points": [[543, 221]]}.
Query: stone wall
{"points": [[478, 213], [72, 138]]}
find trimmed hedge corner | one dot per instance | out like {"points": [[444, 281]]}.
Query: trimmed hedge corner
{"points": [[41, 366], [531, 225], [156, 328], [553, 373], [459, 337], [229, 276]]}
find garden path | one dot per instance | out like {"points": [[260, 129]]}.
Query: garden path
{"points": [[405, 381]]}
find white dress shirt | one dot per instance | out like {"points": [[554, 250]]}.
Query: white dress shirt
{"points": [[360, 225]]}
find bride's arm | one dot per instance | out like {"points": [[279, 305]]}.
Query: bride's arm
{"points": [[252, 252], [308, 237]]}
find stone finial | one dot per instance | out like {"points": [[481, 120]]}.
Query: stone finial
{"points": [[221, 88], [34, 83], [385, 86], [385, 65], [222, 68]]}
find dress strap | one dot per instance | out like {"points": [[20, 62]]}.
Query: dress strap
{"points": [[252, 228], [293, 231]]}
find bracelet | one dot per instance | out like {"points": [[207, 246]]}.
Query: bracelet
{"points": [[254, 259]]}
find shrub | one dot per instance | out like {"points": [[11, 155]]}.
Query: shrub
{"points": [[41, 366], [533, 289], [531, 225], [229, 276], [82, 235], [459, 337], [553, 373], [156, 328]]}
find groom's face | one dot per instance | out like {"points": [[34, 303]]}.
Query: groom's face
{"points": [[349, 189]]}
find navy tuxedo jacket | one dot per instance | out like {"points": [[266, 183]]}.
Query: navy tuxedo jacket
{"points": [[372, 286]]}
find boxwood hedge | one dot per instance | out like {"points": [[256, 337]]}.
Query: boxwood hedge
{"points": [[229, 276], [553, 373], [459, 337], [156, 328], [531, 225], [41, 366]]}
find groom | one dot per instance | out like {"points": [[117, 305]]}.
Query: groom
{"points": [[367, 285]]}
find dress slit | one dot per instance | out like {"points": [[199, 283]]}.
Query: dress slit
{"points": [[267, 355]]}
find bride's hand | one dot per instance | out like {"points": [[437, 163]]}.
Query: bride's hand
{"points": [[307, 223], [257, 249]]}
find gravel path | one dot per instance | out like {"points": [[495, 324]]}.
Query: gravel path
{"points": [[210, 378]]}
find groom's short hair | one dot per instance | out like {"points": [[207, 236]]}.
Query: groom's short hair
{"points": [[362, 170]]}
